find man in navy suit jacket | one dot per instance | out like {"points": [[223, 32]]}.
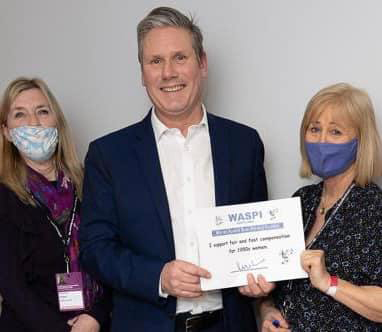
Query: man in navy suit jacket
{"points": [[142, 181]]}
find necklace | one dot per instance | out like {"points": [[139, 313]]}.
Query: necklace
{"points": [[286, 305], [337, 206], [322, 208], [324, 204]]}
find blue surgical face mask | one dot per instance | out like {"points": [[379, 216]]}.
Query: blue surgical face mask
{"points": [[330, 159], [35, 143]]}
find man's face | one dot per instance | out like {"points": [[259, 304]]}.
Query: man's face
{"points": [[171, 72]]}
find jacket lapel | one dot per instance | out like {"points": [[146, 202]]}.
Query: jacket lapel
{"points": [[147, 153], [220, 158]]}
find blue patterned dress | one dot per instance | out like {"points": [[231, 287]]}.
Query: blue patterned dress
{"points": [[352, 241]]}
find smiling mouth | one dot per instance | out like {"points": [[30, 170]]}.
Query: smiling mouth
{"points": [[174, 88]]}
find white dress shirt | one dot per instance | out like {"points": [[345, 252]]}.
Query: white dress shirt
{"points": [[187, 169]]}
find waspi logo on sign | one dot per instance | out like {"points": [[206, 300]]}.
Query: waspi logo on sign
{"points": [[245, 217]]}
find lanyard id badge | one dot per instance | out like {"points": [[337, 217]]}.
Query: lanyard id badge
{"points": [[70, 284], [70, 291]]}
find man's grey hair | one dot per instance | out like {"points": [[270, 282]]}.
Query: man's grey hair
{"points": [[169, 17]]}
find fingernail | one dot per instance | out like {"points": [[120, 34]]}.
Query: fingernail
{"points": [[276, 323]]}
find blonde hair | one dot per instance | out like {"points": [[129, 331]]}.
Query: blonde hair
{"points": [[355, 104], [12, 166]]}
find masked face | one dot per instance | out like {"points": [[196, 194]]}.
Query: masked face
{"points": [[31, 125], [331, 159], [330, 143], [35, 143]]}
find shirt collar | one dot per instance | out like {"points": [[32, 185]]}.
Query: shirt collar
{"points": [[160, 128]]}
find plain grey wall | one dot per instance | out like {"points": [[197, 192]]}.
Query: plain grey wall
{"points": [[266, 59]]}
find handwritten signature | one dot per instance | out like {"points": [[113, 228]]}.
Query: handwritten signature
{"points": [[249, 266]]}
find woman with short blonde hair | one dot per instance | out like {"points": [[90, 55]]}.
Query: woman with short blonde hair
{"points": [[342, 217], [356, 105]]}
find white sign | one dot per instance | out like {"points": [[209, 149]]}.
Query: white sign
{"points": [[264, 238]]}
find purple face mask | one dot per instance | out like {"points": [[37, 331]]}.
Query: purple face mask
{"points": [[329, 159]]}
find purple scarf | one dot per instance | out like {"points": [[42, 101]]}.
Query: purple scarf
{"points": [[59, 199]]}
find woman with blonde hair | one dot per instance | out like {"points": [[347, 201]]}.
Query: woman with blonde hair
{"points": [[40, 194], [342, 221]]}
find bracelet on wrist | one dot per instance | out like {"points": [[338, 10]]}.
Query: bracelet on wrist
{"points": [[331, 291]]}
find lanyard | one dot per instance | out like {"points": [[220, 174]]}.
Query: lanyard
{"points": [[309, 245], [287, 304], [66, 239]]}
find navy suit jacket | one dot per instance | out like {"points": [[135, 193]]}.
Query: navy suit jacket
{"points": [[126, 234]]}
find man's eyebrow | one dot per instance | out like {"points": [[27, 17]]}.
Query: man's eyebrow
{"points": [[154, 56]]}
